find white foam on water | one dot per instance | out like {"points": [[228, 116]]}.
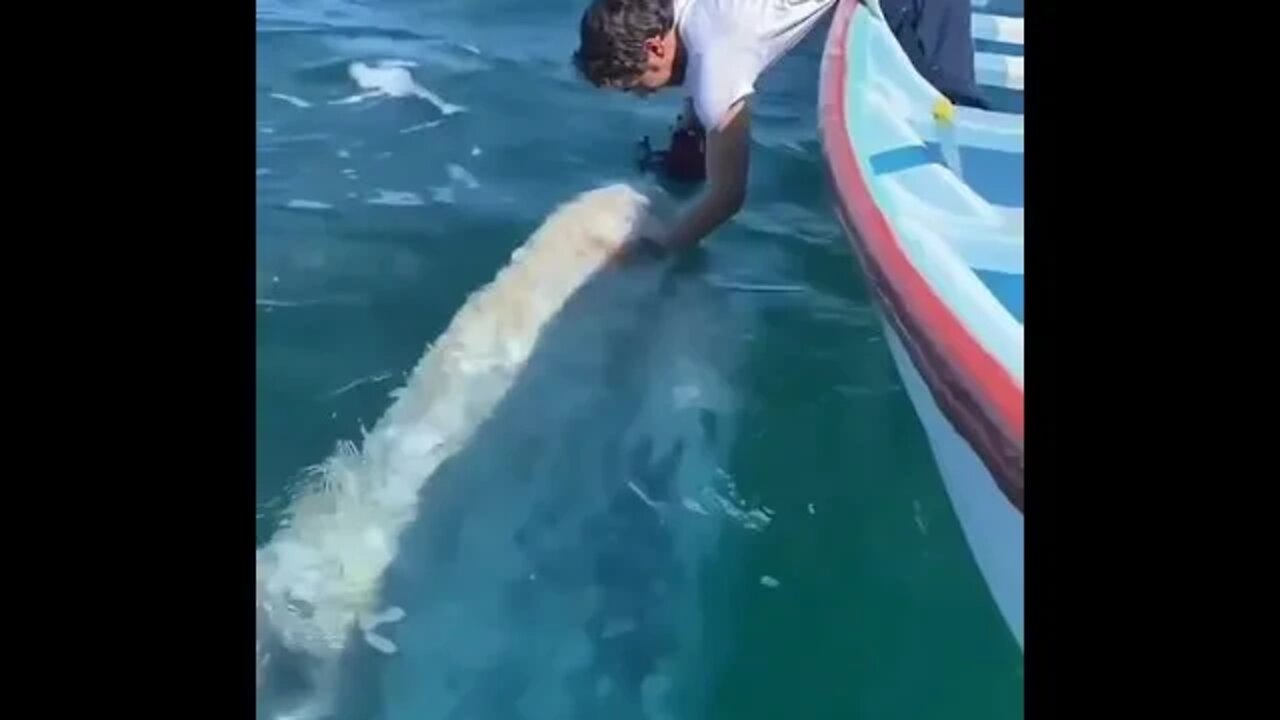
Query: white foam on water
{"points": [[735, 509], [399, 198], [273, 303], [390, 615], [475, 151], [344, 153], [758, 287], [643, 497], [320, 574], [769, 581], [693, 506], [353, 99], [459, 174], [292, 100], [394, 80], [278, 303], [420, 126], [263, 171], [302, 204], [379, 643], [358, 382], [442, 194]]}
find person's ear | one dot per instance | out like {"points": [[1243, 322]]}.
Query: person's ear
{"points": [[655, 46]]}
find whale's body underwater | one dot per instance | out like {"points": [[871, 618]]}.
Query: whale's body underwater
{"points": [[318, 578]]}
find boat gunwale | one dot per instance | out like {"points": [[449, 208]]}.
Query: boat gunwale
{"points": [[974, 390]]}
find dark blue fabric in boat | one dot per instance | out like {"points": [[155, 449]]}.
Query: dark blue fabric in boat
{"points": [[938, 37]]}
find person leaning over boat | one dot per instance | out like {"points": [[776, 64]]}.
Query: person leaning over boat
{"points": [[717, 49]]}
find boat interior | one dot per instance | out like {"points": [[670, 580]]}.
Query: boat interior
{"points": [[953, 174]]}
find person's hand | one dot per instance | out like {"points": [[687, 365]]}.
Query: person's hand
{"points": [[639, 250]]}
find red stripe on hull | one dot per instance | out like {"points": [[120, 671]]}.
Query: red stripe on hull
{"points": [[972, 389]]}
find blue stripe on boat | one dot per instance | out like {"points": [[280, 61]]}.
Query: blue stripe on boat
{"points": [[988, 172], [999, 48], [904, 158], [1007, 289], [1004, 99], [996, 176]]}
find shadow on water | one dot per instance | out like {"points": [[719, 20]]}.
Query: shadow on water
{"points": [[552, 569]]}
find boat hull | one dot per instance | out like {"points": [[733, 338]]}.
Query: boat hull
{"points": [[920, 234], [991, 524]]}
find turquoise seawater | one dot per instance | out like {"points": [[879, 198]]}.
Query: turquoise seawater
{"points": [[708, 498]]}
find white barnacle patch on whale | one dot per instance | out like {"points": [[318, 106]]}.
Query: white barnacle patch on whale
{"points": [[319, 577]]}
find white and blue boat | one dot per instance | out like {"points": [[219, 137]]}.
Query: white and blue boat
{"points": [[930, 196]]}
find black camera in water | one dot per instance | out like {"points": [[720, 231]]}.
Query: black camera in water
{"points": [[684, 160]]}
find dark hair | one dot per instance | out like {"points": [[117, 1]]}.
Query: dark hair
{"points": [[611, 38]]}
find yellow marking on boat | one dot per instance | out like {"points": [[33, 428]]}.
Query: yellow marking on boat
{"points": [[943, 111]]}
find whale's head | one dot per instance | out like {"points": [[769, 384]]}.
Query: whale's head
{"points": [[596, 224]]}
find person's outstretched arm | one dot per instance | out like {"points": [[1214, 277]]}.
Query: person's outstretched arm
{"points": [[728, 156]]}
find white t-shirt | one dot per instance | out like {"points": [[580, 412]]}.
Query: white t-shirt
{"points": [[729, 43]]}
